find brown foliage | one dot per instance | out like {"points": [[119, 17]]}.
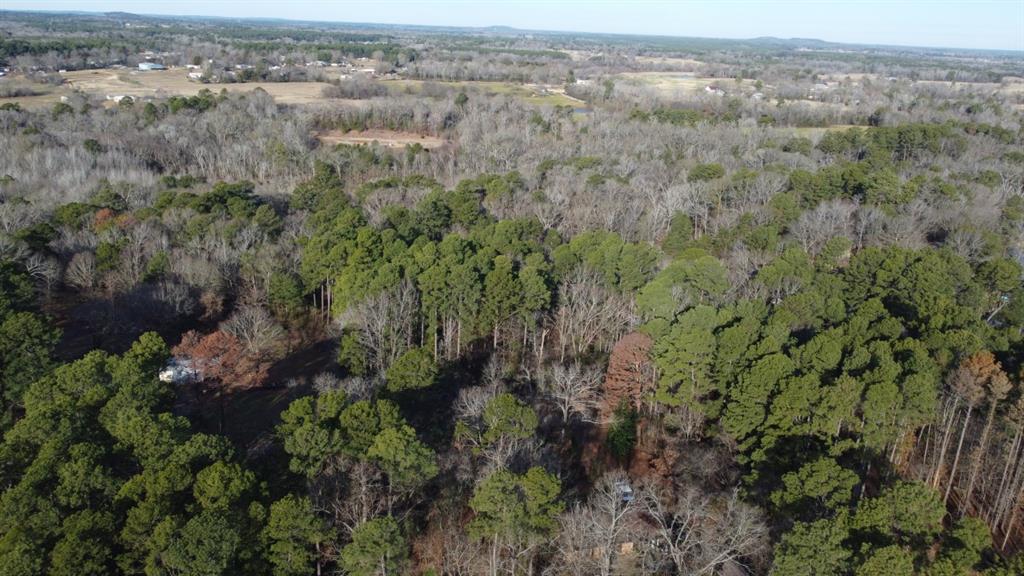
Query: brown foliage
{"points": [[630, 371], [102, 217], [221, 357]]}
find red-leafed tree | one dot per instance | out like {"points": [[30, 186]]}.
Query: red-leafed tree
{"points": [[221, 357], [630, 373]]}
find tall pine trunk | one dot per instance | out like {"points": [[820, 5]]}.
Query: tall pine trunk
{"points": [[956, 459], [1011, 459], [943, 448], [978, 454]]}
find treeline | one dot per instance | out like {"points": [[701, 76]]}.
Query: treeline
{"points": [[644, 339]]}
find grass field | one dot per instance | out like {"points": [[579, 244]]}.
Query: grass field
{"points": [[669, 83], [529, 93], [106, 83], [159, 83], [174, 82]]}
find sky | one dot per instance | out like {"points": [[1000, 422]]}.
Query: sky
{"points": [[992, 24]]}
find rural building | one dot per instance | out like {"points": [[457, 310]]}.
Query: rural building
{"points": [[145, 66]]}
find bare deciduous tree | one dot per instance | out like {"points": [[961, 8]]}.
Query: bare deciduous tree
{"points": [[81, 271], [700, 532], [592, 533], [386, 323], [590, 314], [572, 388], [255, 328]]}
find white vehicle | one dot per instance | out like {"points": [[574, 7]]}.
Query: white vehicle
{"points": [[625, 491], [179, 371]]}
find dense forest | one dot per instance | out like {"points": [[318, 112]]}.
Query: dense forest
{"points": [[773, 330]]}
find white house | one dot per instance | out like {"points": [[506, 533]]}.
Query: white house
{"points": [[145, 66]]}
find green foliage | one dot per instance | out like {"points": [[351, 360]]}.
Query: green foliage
{"points": [[107, 255], [284, 291], [516, 507], [686, 358], [817, 488], [352, 354], [905, 513], [706, 172], [674, 116], [413, 370], [624, 266], [157, 267], [201, 102], [622, 433], [505, 416], [798, 145], [362, 421], [695, 278], [377, 547], [293, 532], [92, 146], [501, 293], [680, 234], [812, 549], [267, 220], [207, 545], [60, 109], [310, 194], [312, 431], [968, 541], [887, 561], [101, 478], [27, 341], [407, 461]]}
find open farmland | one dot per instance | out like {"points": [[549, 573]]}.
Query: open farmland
{"points": [[110, 83], [174, 82], [681, 83]]}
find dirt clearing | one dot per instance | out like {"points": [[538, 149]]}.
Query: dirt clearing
{"points": [[388, 138]]}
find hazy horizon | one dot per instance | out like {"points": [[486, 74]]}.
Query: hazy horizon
{"points": [[985, 25]]}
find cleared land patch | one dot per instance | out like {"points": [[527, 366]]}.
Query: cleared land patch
{"points": [[388, 138], [539, 94], [669, 83]]}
